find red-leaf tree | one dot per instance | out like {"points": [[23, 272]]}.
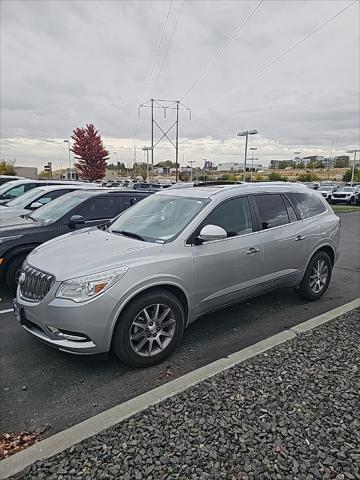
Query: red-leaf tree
{"points": [[90, 153]]}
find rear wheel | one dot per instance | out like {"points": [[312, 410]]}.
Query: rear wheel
{"points": [[149, 329], [317, 277], [13, 271]]}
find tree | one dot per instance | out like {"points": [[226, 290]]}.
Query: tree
{"points": [[90, 153], [276, 177], [347, 175], [7, 168], [308, 177]]}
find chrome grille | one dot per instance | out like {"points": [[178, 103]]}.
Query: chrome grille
{"points": [[34, 284]]}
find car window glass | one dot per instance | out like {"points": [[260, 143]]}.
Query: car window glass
{"points": [[290, 210], [272, 210], [233, 216], [99, 208], [14, 192], [49, 196], [30, 186], [307, 205]]}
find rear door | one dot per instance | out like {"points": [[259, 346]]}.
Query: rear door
{"points": [[284, 238], [228, 270]]}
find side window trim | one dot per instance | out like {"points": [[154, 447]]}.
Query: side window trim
{"points": [[287, 202], [298, 215], [190, 240]]}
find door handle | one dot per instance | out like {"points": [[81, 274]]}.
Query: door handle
{"points": [[299, 237], [252, 250]]}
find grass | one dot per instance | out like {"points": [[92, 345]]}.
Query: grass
{"points": [[346, 208]]}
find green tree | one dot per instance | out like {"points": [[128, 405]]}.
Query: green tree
{"points": [[277, 177], [7, 168], [347, 175], [308, 177]]}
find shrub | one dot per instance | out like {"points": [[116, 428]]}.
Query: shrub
{"points": [[276, 177], [308, 177]]}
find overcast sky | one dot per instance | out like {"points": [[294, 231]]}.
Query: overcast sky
{"points": [[68, 63]]}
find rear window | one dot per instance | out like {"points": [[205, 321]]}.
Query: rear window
{"points": [[307, 205]]}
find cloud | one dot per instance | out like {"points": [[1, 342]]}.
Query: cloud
{"points": [[68, 63]]}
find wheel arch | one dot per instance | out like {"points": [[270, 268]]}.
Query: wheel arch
{"points": [[173, 288]]}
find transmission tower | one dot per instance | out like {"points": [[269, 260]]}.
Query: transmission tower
{"points": [[165, 105]]}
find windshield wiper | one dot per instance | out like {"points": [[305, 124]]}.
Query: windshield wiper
{"points": [[129, 234]]}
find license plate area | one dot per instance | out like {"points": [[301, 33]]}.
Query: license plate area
{"points": [[19, 312]]}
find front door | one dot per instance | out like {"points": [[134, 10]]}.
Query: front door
{"points": [[228, 270]]}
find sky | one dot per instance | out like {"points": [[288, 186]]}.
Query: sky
{"points": [[68, 63]]}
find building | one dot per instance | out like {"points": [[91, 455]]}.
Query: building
{"points": [[313, 159], [281, 163], [238, 167], [341, 161], [27, 172]]}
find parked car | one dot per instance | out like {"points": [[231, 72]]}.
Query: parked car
{"points": [[8, 178], [72, 211], [327, 190], [34, 199], [345, 195], [14, 189], [134, 286]]}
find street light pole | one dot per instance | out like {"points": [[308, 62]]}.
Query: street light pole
{"points": [[252, 162], [353, 167], [246, 135], [70, 174]]}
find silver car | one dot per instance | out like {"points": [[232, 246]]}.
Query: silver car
{"points": [[136, 284]]}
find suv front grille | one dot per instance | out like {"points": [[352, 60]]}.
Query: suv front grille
{"points": [[34, 284]]}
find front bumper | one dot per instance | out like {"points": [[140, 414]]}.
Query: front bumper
{"points": [[340, 200], [79, 328]]}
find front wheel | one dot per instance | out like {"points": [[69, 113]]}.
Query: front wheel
{"points": [[13, 271], [316, 278], [149, 329]]}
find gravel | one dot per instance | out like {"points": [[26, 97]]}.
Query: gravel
{"points": [[291, 413]]}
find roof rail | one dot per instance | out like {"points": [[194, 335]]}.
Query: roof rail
{"points": [[213, 183]]}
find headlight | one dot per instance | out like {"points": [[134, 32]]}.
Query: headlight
{"points": [[84, 288], [7, 239]]}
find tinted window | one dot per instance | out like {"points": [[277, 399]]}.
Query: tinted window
{"points": [[272, 210], [104, 207], [50, 196], [307, 205], [233, 216]]}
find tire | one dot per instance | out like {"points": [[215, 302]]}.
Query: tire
{"points": [[13, 271], [125, 348], [305, 289], [352, 201]]}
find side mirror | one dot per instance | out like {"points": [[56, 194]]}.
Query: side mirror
{"points": [[212, 232], [76, 220], [35, 205]]}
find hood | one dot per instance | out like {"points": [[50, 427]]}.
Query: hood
{"points": [[8, 212], [86, 252], [9, 224]]}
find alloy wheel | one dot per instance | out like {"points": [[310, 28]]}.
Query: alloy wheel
{"points": [[319, 276], [152, 330]]}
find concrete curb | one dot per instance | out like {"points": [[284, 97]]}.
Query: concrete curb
{"points": [[90, 427]]}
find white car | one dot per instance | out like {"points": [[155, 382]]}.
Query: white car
{"points": [[34, 199], [327, 190], [345, 195]]}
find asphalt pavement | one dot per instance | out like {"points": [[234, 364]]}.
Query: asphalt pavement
{"points": [[43, 389]]}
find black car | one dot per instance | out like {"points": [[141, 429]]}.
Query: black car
{"points": [[79, 209]]}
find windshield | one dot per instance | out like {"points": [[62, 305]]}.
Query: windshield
{"points": [[158, 218], [53, 211], [326, 189], [25, 198], [346, 189]]}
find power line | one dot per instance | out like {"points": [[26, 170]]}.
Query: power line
{"points": [[221, 50], [147, 88], [170, 41], [268, 65], [157, 53]]}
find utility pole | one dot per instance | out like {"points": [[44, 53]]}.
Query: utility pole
{"points": [[246, 135], [152, 139], [165, 105], [191, 173], [353, 167]]}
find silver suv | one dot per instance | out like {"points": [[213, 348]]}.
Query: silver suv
{"points": [[135, 285]]}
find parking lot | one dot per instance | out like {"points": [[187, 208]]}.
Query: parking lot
{"points": [[47, 390]]}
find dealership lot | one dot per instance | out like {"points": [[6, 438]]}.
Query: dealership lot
{"points": [[46, 389]]}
